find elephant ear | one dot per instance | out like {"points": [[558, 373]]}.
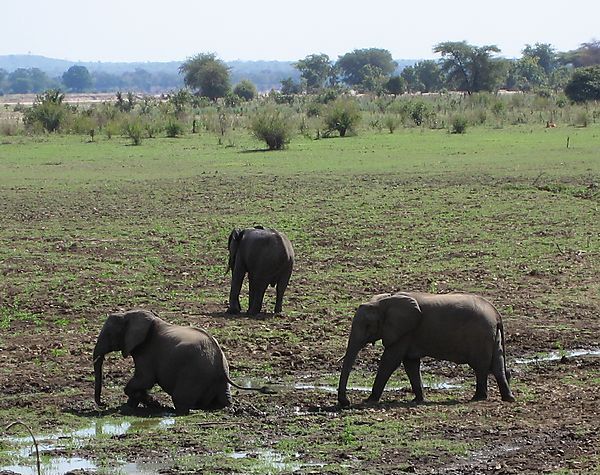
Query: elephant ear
{"points": [[137, 327], [234, 235], [401, 315]]}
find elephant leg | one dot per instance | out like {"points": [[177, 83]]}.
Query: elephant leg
{"points": [[390, 360], [257, 294], [481, 376], [413, 370], [237, 279], [137, 390], [282, 284]]}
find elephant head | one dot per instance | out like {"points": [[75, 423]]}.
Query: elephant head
{"points": [[385, 317], [121, 332], [233, 244]]}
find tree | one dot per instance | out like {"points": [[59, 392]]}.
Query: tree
{"points": [[429, 75], [207, 75], [411, 79], [469, 68], [289, 87], [395, 85], [77, 78], [526, 74], [588, 54], [366, 68], [22, 81], [544, 54], [245, 89], [584, 85], [315, 69]]}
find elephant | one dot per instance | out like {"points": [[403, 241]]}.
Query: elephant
{"points": [[186, 362], [462, 328], [267, 256]]}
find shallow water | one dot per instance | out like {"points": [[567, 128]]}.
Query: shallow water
{"points": [[25, 458], [558, 355]]}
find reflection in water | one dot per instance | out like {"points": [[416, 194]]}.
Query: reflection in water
{"points": [[23, 452], [558, 355]]}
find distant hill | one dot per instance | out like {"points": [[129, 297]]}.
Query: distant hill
{"points": [[265, 75]]}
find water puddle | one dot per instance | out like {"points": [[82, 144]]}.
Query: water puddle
{"points": [[23, 457], [268, 461], [558, 355], [333, 389]]}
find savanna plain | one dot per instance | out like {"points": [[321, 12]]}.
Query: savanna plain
{"points": [[510, 213]]}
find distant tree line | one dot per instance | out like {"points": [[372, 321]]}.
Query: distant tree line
{"points": [[80, 79], [461, 67]]}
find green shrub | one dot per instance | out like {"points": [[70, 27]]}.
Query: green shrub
{"points": [[48, 111], [173, 128], [245, 89], [459, 124], [133, 129], [342, 115], [392, 122], [273, 126], [420, 112]]}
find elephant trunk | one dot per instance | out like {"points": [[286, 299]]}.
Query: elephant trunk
{"points": [[100, 351], [349, 358], [98, 361]]}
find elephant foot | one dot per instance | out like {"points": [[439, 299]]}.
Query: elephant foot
{"points": [[344, 402], [418, 400], [508, 398], [233, 311], [133, 402], [479, 397]]}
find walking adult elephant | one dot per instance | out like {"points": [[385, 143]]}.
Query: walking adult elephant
{"points": [[267, 256], [186, 362], [462, 328]]}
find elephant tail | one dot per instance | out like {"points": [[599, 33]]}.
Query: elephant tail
{"points": [[501, 350], [264, 389]]}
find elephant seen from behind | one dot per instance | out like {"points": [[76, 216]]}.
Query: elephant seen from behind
{"points": [[462, 328], [186, 362], [267, 256]]}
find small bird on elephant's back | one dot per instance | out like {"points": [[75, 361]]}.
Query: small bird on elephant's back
{"points": [[267, 256]]}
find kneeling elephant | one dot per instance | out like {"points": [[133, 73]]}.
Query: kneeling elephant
{"points": [[462, 328], [186, 362]]}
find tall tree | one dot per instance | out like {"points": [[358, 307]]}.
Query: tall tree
{"points": [[207, 75], [469, 68], [316, 70], [366, 68], [544, 54], [77, 78], [588, 54], [429, 75]]}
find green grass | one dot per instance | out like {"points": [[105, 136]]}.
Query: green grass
{"points": [[86, 228]]}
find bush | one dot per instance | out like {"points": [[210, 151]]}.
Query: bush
{"points": [[48, 111], [273, 126], [392, 122], [245, 89], [584, 85], [420, 112], [173, 128], [133, 129], [342, 115], [459, 124]]}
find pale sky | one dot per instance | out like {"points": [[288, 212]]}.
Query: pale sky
{"points": [[151, 30]]}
